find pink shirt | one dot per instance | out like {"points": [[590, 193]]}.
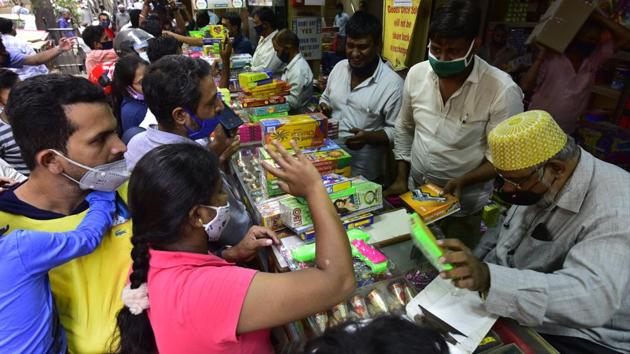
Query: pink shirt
{"points": [[565, 93], [98, 56], [196, 303]]}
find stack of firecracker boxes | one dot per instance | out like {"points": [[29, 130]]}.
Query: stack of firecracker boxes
{"points": [[353, 198], [263, 99]]}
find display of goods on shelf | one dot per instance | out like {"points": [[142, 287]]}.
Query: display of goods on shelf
{"points": [[517, 11]]}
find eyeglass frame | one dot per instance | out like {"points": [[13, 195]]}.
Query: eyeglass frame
{"points": [[517, 185]]}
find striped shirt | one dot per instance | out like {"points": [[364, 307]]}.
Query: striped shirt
{"points": [[10, 151]]}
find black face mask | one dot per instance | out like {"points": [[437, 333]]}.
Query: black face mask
{"points": [[107, 45], [517, 197], [283, 56], [259, 30]]}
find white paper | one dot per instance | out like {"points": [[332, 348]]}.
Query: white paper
{"points": [[461, 309]]}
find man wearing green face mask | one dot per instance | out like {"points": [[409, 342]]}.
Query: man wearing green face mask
{"points": [[450, 103]]}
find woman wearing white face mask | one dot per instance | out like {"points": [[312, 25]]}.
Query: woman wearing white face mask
{"points": [[178, 290]]}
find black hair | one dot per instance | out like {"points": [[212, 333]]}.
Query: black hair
{"points": [[456, 19], [234, 18], [202, 18], [103, 14], [153, 26], [287, 38], [36, 111], [339, 6], [8, 79], [124, 75], [91, 35], [173, 81], [265, 14], [162, 46], [6, 25], [384, 335], [134, 18], [188, 176], [363, 24]]}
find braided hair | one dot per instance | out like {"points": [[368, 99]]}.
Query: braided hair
{"points": [[164, 186]]}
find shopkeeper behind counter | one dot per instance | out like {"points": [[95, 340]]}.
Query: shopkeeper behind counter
{"points": [[562, 258], [363, 93], [297, 73], [265, 58]]}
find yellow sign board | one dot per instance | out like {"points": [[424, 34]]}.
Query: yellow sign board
{"points": [[399, 20]]}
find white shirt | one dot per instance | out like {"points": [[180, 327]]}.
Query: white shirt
{"points": [[299, 75], [447, 140], [265, 58], [340, 21], [19, 45], [371, 106]]}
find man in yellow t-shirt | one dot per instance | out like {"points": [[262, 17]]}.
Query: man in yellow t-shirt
{"points": [[67, 134]]}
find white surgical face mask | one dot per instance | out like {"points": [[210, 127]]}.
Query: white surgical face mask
{"points": [[105, 178], [215, 227]]}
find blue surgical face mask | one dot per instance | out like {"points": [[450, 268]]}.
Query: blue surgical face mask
{"points": [[206, 126], [451, 67]]}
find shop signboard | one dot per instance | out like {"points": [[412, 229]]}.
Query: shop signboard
{"points": [[260, 2], [399, 22], [309, 31], [218, 4]]}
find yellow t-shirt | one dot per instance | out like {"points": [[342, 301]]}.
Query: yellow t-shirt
{"points": [[87, 290]]}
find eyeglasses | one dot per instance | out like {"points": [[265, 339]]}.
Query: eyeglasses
{"points": [[516, 183]]}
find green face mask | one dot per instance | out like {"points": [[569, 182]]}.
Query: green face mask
{"points": [[452, 67]]}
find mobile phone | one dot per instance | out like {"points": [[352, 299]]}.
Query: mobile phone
{"points": [[230, 121]]}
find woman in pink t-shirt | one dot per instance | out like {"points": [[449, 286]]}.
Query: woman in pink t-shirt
{"points": [[199, 303]]}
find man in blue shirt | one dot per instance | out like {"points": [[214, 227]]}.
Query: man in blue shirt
{"points": [[64, 22], [240, 44], [15, 59]]}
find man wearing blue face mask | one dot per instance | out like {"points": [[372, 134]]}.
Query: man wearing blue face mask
{"points": [[66, 132], [450, 103], [181, 94]]}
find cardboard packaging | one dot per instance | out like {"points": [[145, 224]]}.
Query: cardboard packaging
{"points": [[329, 158], [559, 25], [306, 131], [429, 210]]}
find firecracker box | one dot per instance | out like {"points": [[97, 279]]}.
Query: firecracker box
{"points": [[306, 131], [270, 109], [253, 79], [270, 213], [351, 222], [369, 194], [432, 210], [329, 158]]}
